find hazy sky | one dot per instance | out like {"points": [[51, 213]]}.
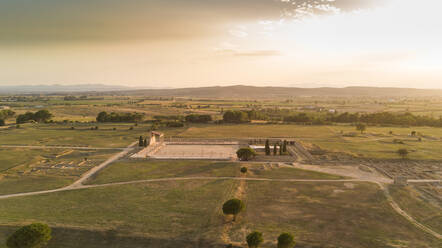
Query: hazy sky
{"points": [[177, 43]]}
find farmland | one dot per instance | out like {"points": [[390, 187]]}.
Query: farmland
{"points": [[177, 202]]}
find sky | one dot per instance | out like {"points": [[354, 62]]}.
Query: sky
{"points": [[192, 43]]}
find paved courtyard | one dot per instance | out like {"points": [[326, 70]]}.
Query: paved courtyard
{"points": [[196, 151]]}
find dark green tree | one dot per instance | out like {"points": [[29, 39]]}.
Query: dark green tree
{"points": [[267, 148], [244, 170], [284, 147], [275, 150], [42, 116], [286, 240], [141, 141], [254, 239], [245, 154], [145, 143], [2, 122], [35, 235], [233, 207]]}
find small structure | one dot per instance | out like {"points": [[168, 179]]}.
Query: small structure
{"points": [[401, 181], [156, 137]]}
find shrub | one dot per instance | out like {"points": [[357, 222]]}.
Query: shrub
{"points": [[32, 236], [244, 170], [286, 240], [254, 239], [245, 154]]}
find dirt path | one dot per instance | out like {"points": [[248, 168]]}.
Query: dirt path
{"points": [[228, 225], [396, 207], [103, 165], [62, 147]]}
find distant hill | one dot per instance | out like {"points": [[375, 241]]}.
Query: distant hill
{"points": [[238, 91], [32, 89], [241, 91]]}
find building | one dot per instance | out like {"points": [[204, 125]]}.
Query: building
{"points": [[156, 137]]}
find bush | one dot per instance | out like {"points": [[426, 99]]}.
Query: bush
{"points": [[403, 152], [32, 236], [254, 239], [286, 240], [244, 170], [245, 154], [2, 122]]}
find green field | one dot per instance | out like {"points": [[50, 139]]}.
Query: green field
{"points": [[181, 212], [376, 142], [171, 214], [416, 204], [349, 215], [124, 171], [82, 135]]}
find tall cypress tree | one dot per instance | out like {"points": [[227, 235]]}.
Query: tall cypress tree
{"points": [[280, 149], [145, 142], [284, 147], [141, 141], [267, 148], [275, 150]]}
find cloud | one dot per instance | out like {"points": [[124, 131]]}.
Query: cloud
{"points": [[43, 21]]}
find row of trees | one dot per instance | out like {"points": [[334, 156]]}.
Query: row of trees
{"points": [[142, 142], [254, 239], [282, 148], [243, 116], [119, 117], [382, 118], [194, 118], [39, 116]]}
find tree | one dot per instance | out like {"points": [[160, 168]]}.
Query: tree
{"points": [[361, 127], [42, 116], [403, 152], [275, 149], [39, 116], [2, 122], [32, 236], [141, 141], [245, 154], [284, 147], [267, 148], [244, 170], [254, 239], [286, 240], [145, 143], [233, 207]]}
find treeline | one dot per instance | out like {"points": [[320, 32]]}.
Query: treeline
{"points": [[119, 117], [194, 118], [39, 116], [382, 118], [243, 116]]}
